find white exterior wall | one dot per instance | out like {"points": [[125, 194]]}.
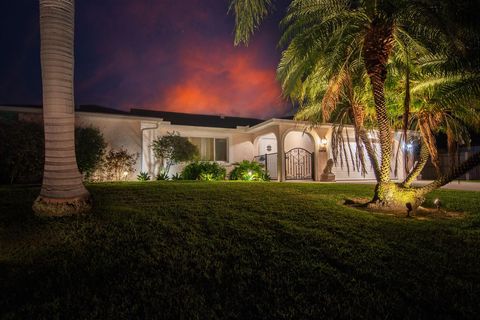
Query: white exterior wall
{"points": [[265, 141], [299, 139], [118, 131], [243, 143], [239, 144], [343, 171]]}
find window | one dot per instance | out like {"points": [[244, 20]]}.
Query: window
{"points": [[221, 150], [211, 149]]}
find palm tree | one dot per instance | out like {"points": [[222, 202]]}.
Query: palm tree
{"points": [[325, 39], [62, 192]]}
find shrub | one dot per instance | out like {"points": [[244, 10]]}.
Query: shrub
{"points": [[174, 149], [162, 175], [89, 149], [177, 176], [23, 154], [117, 165], [203, 170], [249, 171], [143, 176]]}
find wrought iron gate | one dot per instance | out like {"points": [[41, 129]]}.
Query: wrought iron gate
{"points": [[298, 164]]}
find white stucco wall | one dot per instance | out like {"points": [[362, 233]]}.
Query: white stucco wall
{"points": [[299, 139], [351, 170], [239, 144], [119, 132], [242, 143], [265, 141]]}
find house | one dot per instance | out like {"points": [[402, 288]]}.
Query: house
{"points": [[289, 149]]}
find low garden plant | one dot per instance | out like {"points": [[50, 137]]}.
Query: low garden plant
{"points": [[143, 176], [204, 170], [249, 171]]}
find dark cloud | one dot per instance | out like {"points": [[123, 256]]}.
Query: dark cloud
{"points": [[164, 55]]}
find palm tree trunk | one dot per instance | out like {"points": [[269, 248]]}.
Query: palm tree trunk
{"points": [[62, 192], [424, 155], [406, 112], [377, 48], [454, 173]]}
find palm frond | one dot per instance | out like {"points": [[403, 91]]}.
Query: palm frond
{"points": [[248, 16]]}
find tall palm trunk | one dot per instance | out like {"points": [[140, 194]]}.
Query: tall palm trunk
{"points": [[63, 192], [378, 45]]}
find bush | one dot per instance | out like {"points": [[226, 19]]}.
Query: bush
{"points": [[143, 176], [89, 149], [177, 176], [117, 165], [162, 175], [203, 170], [249, 171], [23, 154]]}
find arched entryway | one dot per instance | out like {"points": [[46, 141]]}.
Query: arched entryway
{"points": [[267, 150], [299, 149]]}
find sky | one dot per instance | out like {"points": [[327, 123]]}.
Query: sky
{"points": [[170, 55]]}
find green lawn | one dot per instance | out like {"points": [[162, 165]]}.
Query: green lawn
{"points": [[193, 250]]}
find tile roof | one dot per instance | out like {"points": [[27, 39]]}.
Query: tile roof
{"points": [[200, 120]]}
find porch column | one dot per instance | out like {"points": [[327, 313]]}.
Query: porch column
{"points": [[280, 154]]}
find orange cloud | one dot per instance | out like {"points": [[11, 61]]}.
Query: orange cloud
{"points": [[221, 79]]}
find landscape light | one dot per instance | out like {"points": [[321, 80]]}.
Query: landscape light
{"points": [[125, 173], [437, 203]]}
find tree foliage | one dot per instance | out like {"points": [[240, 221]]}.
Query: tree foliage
{"points": [[382, 65], [174, 149], [22, 151], [90, 148], [118, 164]]}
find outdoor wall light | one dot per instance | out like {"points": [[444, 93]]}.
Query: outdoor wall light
{"points": [[409, 146], [323, 144]]}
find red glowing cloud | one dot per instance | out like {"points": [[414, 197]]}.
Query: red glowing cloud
{"points": [[221, 79], [175, 56]]}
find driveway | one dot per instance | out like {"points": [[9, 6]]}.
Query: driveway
{"points": [[455, 185]]}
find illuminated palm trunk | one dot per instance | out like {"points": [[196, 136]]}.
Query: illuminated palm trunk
{"points": [[63, 192], [424, 155], [378, 45], [377, 48], [453, 174]]}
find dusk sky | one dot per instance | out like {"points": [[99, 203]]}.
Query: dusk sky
{"points": [[171, 55]]}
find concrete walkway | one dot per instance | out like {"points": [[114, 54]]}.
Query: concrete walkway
{"points": [[455, 185]]}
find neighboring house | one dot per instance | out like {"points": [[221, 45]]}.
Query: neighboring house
{"points": [[290, 150]]}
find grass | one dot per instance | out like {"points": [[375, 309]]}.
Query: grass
{"points": [[192, 250]]}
